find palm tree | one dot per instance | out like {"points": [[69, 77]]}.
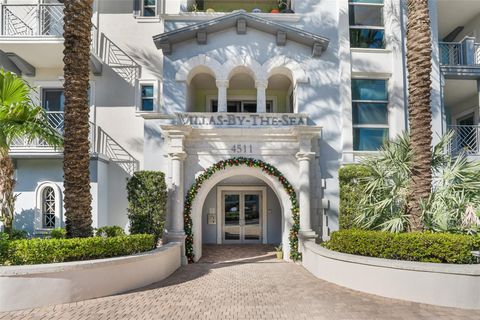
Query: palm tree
{"points": [[77, 35], [419, 54], [20, 118]]}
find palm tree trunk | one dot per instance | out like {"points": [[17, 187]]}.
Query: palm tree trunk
{"points": [[419, 54], [7, 199], [78, 199]]}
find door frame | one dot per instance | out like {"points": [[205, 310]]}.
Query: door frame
{"points": [[263, 215]]}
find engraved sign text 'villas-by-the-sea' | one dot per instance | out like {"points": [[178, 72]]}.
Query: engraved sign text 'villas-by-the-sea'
{"points": [[242, 119]]}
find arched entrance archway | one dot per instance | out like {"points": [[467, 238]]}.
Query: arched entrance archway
{"points": [[240, 166]]}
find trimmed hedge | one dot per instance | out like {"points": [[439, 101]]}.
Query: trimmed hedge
{"points": [[422, 247], [109, 231], [36, 251], [352, 186]]}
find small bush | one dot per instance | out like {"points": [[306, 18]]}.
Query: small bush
{"points": [[58, 233], [110, 231], [147, 201], [18, 234], [3, 245], [352, 184], [422, 247], [36, 251]]}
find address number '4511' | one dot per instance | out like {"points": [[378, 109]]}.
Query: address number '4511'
{"points": [[242, 148]]}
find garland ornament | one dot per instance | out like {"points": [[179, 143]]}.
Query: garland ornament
{"points": [[252, 163]]}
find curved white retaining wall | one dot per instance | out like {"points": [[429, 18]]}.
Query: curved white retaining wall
{"points": [[438, 284], [23, 287]]}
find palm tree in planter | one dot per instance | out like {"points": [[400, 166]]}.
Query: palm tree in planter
{"points": [[20, 118], [77, 35], [419, 54]]}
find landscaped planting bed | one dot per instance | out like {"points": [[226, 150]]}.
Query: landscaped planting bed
{"points": [[416, 246], [38, 251]]}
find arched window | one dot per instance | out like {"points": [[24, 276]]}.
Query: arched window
{"points": [[48, 208]]}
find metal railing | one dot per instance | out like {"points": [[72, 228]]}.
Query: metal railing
{"points": [[34, 20], [55, 118], [31, 19], [465, 139], [107, 146], [100, 143], [477, 54], [118, 60], [460, 53], [264, 6]]}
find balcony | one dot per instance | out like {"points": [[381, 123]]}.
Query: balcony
{"points": [[22, 20], [460, 60], [466, 139], [100, 143], [255, 6]]}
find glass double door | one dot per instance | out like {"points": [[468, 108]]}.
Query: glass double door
{"points": [[242, 217]]}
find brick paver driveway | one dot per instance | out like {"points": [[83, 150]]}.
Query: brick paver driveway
{"points": [[256, 287]]}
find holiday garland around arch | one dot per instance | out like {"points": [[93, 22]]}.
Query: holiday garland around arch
{"points": [[236, 162]]}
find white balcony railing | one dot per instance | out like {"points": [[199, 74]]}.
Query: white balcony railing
{"points": [[100, 143], [465, 139], [25, 20], [46, 20]]}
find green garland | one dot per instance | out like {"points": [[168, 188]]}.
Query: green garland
{"points": [[252, 163]]}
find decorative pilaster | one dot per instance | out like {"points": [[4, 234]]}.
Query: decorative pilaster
{"points": [[222, 86], [261, 95]]}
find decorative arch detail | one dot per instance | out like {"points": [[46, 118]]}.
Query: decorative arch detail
{"points": [[196, 65], [237, 162], [286, 66], [249, 63], [259, 72]]}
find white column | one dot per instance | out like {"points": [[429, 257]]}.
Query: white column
{"points": [[304, 193], [178, 190], [222, 86], [176, 136], [261, 95]]}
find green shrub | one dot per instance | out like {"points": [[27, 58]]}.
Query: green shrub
{"points": [[3, 246], [147, 200], [18, 234], [352, 185], [110, 231], [36, 251], [423, 247], [58, 233]]}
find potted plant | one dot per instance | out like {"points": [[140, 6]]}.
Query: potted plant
{"points": [[282, 5], [279, 251]]}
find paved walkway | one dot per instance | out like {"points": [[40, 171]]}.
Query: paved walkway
{"points": [[257, 287]]}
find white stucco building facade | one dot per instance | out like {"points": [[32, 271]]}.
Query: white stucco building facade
{"points": [[177, 89]]}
